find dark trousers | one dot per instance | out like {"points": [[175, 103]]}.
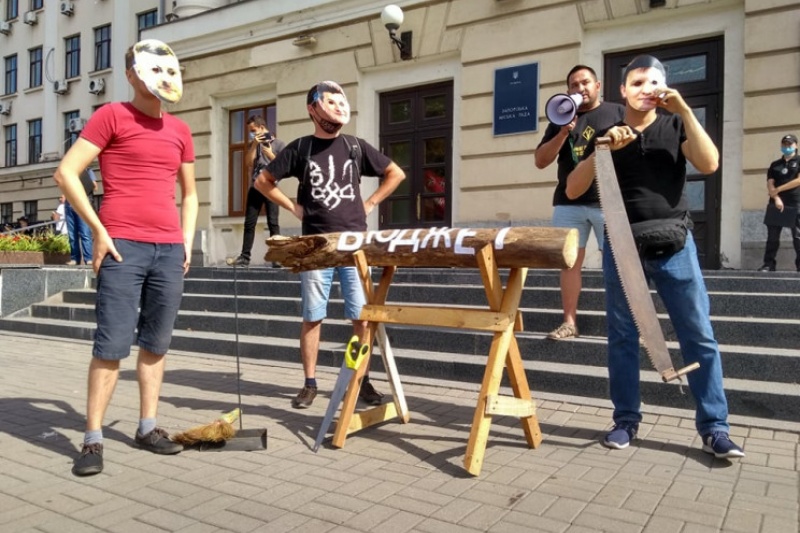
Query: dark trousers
{"points": [[774, 242], [255, 200]]}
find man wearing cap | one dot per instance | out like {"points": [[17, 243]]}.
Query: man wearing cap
{"points": [[650, 151], [783, 187], [329, 166], [142, 244]]}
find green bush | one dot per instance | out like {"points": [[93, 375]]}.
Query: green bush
{"points": [[45, 242]]}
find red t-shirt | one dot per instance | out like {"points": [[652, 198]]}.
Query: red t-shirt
{"points": [[139, 160]]}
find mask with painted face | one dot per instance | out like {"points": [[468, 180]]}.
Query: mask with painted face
{"points": [[157, 66], [329, 106]]}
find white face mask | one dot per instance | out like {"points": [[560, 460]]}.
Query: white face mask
{"points": [[157, 66]]}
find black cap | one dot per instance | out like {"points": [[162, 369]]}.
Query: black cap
{"points": [[789, 139]]}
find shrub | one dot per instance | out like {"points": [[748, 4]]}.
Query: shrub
{"points": [[44, 242]]}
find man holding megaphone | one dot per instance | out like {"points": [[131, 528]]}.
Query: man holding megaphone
{"points": [[574, 120]]}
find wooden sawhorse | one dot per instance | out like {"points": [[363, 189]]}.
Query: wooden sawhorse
{"points": [[502, 318]]}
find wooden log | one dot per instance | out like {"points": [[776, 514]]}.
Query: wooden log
{"points": [[515, 247]]}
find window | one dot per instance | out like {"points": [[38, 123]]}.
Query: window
{"points": [[37, 4], [7, 213], [31, 211], [72, 45], [148, 19], [34, 140], [238, 180], [70, 136], [11, 145], [11, 74], [35, 60], [102, 47], [12, 9]]}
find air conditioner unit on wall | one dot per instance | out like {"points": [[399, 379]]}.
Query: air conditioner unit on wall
{"points": [[97, 86], [61, 87], [76, 124], [5, 108], [5, 27], [67, 8], [30, 17]]}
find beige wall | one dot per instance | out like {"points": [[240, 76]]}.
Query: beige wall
{"points": [[252, 60]]}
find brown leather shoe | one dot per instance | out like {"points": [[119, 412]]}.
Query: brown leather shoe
{"points": [[305, 397]]}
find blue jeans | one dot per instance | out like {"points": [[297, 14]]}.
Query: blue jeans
{"points": [[80, 236], [315, 290], [680, 284]]}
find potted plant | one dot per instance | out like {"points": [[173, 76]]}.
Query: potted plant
{"points": [[41, 248]]}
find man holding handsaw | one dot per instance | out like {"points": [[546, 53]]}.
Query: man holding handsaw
{"points": [[649, 152]]}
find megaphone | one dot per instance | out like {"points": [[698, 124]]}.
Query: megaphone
{"points": [[562, 108]]}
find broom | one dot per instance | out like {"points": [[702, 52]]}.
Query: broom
{"points": [[217, 431]]}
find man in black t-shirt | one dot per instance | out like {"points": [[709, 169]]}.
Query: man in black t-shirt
{"points": [[650, 151], [329, 166], [783, 189], [568, 143], [263, 149]]}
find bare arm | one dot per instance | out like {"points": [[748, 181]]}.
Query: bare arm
{"points": [[698, 147], [189, 207], [547, 152], [67, 177], [789, 185], [392, 177], [267, 185], [581, 178]]}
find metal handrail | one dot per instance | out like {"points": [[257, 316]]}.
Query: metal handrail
{"points": [[30, 228]]}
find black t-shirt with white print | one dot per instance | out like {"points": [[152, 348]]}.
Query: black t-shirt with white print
{"points": [[651, 171], [329, 173]]}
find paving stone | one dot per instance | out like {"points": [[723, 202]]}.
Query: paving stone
{"points": [[390, 478]]}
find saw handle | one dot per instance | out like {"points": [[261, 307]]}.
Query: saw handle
{"points": [[355, 353], [676, 374]]}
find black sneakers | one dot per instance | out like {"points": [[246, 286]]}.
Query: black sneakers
{"points": [[305, 397], [240, 261], [767, 268], [90, 461], [158, 441], [369, 395]]}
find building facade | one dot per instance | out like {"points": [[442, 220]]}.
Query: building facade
{"points": [[61, 61], [737, 62]]}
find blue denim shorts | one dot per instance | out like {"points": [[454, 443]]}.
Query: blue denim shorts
{"points": [[315, 289], [582, 217], [138, 299]]}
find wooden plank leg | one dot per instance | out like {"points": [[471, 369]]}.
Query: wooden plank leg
{"points": [[514, 366], [481, 421], [508, 302], [351, 396]]}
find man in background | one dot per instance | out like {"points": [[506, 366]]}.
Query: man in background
{"points": [[263, 149]]}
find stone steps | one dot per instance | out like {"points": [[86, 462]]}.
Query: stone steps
{"points": [[758, 347]]}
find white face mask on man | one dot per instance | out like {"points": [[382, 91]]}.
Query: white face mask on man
{"points": [[157, 66]]}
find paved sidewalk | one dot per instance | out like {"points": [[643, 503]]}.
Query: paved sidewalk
{"points": [[392, 478]]}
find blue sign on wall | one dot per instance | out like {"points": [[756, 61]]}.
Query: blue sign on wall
{"points": [[516, 99]]}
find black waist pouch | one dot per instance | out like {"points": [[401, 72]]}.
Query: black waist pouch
{"points": [[658, 239]]}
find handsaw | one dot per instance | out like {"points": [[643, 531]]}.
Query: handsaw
{"points": [[354, 354], [629, 266]]}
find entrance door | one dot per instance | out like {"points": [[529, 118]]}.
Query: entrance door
{"points": [[416, 131], [696, 70]]}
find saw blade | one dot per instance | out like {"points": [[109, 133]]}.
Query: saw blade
{"points": [[629, 266]]}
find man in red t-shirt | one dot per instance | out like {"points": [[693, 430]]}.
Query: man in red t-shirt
{"points": [[142, 246]]}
